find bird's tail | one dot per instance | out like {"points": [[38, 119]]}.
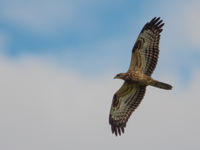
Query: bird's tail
{"points": [[161, 85]]}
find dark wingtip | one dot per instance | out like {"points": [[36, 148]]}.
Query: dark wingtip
{"points": [[155, 24], [153, 19], [117, 130]]}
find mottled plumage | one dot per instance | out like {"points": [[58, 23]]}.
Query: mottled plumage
{"points": [[143, 62]]}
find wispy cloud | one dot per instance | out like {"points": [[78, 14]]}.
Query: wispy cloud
{"points": [[45, 17], [39, 16], [192, 23]]}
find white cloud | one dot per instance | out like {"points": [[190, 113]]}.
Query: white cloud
{"points": [[40, 15], [46, 17], [191, 14], [182, 25], [45, 107]]}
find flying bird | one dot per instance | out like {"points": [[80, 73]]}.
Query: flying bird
{"points": [[143, 62]]}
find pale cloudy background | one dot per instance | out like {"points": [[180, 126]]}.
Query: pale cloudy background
{"points": [[57, 61]]}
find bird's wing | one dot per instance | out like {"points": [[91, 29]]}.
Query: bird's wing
{"points": [[146, 49], [125, 101]]}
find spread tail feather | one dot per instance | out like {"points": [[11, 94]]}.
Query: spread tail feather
{"points": [[162, 85]]}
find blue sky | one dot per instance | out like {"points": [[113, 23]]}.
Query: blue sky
{"points": [[95, 36], [57, 62]]}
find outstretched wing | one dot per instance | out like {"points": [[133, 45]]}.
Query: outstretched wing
{"points": [[146, 49], [125, 101]]}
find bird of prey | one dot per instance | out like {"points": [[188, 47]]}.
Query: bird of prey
{"points": [[143, 62]]}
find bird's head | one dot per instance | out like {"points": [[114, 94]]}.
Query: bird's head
{"points": [[121, 76]]}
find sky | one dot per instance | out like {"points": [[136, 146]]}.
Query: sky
{"points": [[57, 63]]}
